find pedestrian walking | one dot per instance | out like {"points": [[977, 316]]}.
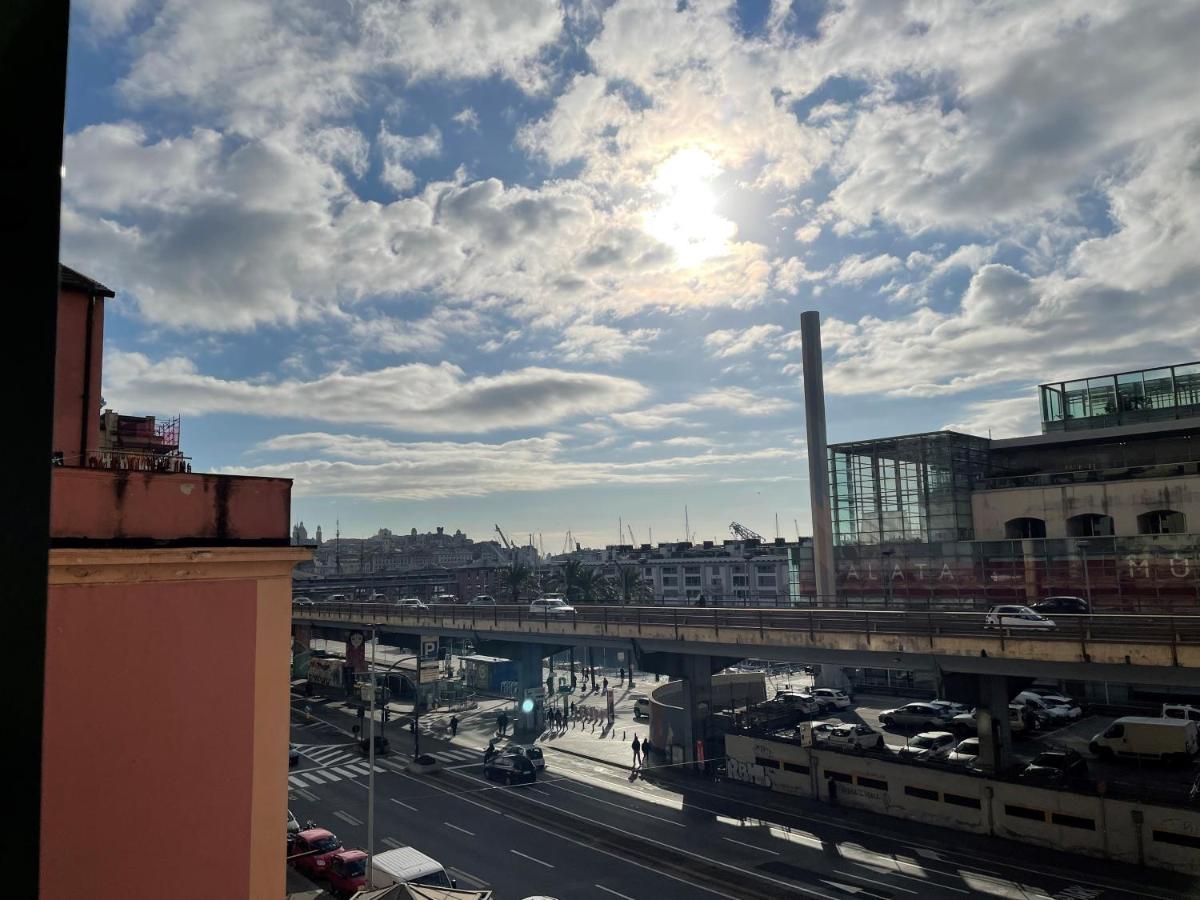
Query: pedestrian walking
{"points": [[490, 751], [621, 680], [637, 752], [453, 726], [646, 748], [501, 724], [606, 684]]}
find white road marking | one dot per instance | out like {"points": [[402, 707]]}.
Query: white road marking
{"points": [[405, 805], [884, 870], [532, 859], [346, 817], [753, 846], [894, 887], [296, 782], [308, 795], [456, 828], [350, 773], [614, 893]]}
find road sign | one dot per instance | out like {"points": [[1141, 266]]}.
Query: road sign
{"points": [[429, 647]]}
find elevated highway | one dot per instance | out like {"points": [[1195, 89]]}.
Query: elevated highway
{"points": [[1149, 649]]}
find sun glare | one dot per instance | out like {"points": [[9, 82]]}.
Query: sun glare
{"points": [[685, 218]]}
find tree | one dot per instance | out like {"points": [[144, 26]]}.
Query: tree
{"points": [[629, 585], [514, 578], [593, 586], [568, 578]]}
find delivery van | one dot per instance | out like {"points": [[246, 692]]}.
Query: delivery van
{"points": [[407, 865], [1139, 737]]}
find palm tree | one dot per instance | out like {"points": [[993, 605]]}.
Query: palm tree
{"points": [[593, 586], [514, 578], [568, 578], [629, 585]]}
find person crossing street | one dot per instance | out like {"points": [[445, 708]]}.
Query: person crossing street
{"points": [[637, 752]]}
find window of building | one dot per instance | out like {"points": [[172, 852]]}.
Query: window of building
{"points": [[739, 580], [766, 763], [795, 767], [1024, 527], [923, 793], [875, 783], [1073, 821], [691, 580], [1162, 521], [670, 570], [766, 581], [670, 580], [691, 570], [840, 777], [1090, 525], [1024, 812], [738, 567], [959, 800], [648, 572], [1174, 837], [765, 569]]}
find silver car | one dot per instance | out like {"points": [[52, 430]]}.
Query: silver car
{"points": [[915, 715], [928, 745], [1016, 617]]}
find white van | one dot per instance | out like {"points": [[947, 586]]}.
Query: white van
{"points": [[1181, 711], [406, 865], [1141, 737]]}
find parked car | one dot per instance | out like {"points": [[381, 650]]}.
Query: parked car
{"points": [[1016, 617], [1141, 737], [551, 606], [829, 698], [641, 706], [1055, 767], [952, 709], [407, 865], [855, 737], [293, 756], [293, 829], [533, 754], [1181, 711], [915, 715], [510, 768], [302, 601], [968, 723], [805, 704], [1074, 606], [411, 603], [1052, 712], [312, 849], [348, 872], [822, 730], [928, 745], [965, 753], [482, 600]]}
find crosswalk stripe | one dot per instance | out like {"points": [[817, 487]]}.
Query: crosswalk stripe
{"points": [[296, 782], [348, 772]]}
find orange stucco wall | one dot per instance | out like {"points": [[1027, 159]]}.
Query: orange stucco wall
{"points": [[70, 347], [162, 719]]}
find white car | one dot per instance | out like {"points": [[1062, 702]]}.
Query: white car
{"points": [[805, 704], [822, 730], [411, 603], [1048, 710], [641, 706], [967, 723], [929, 745], [482, 600], [553, 606], [339, 598], [830, 698], [915, 715], [952, 708], [1016, 617], [965, 753], [855, 737]]}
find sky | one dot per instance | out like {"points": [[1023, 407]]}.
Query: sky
{"points": [[541, 265]]}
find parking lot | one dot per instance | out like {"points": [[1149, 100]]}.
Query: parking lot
{"points": [[1151, 777]]}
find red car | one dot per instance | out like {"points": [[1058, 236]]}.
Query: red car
{"points": [[348, 872], [312, 851]]}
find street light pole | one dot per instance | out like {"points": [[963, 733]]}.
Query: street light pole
{"points": [[371, 774], [1087, 578]]}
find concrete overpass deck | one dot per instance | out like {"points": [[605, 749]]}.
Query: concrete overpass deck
{"points": [[1131, 648]]}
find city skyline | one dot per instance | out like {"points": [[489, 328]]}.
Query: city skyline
{"points": [[552, 278]]}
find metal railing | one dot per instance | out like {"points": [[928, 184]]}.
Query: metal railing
{"points": [[767, 623]]}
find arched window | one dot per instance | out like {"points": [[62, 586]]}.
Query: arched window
{"points": [[1090, 525], [1162, 521], [1024, 527]]}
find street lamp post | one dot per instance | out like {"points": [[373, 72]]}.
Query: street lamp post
{"points": [[371, 774], [1087, 578]]}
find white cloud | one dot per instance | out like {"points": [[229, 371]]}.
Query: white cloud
{"points": [[736, 400], [467, 118], [589, 342], [349, 465], [1007, 417], [414, 397], [398, 149], [735, 342], [856, 269]]}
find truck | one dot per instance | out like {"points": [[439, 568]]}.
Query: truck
{"points": [[1142, 737], [407, 865]]}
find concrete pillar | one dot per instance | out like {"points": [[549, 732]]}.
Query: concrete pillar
{"points": [[995, 735], [697, 702], [529, 676], [818, 456]]}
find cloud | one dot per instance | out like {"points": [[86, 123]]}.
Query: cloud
{"points": [[348, 465], [736, 400], [588, 342], [398, 149], [736, 342], [856, 269], [467, 119], [414, 397], [1003, 418]]}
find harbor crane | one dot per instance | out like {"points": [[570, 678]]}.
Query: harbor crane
{"points": [[745, 533]]}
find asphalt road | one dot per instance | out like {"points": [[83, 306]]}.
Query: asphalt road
{"points": [[786, 846]]}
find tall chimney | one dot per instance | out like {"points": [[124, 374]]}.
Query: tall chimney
{"points": [[818, 456]]}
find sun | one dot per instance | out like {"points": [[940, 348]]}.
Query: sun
{"points": [[685, 218]]}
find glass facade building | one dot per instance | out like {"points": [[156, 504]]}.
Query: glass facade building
{"points": [[1122, 398], [912, 488]]}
